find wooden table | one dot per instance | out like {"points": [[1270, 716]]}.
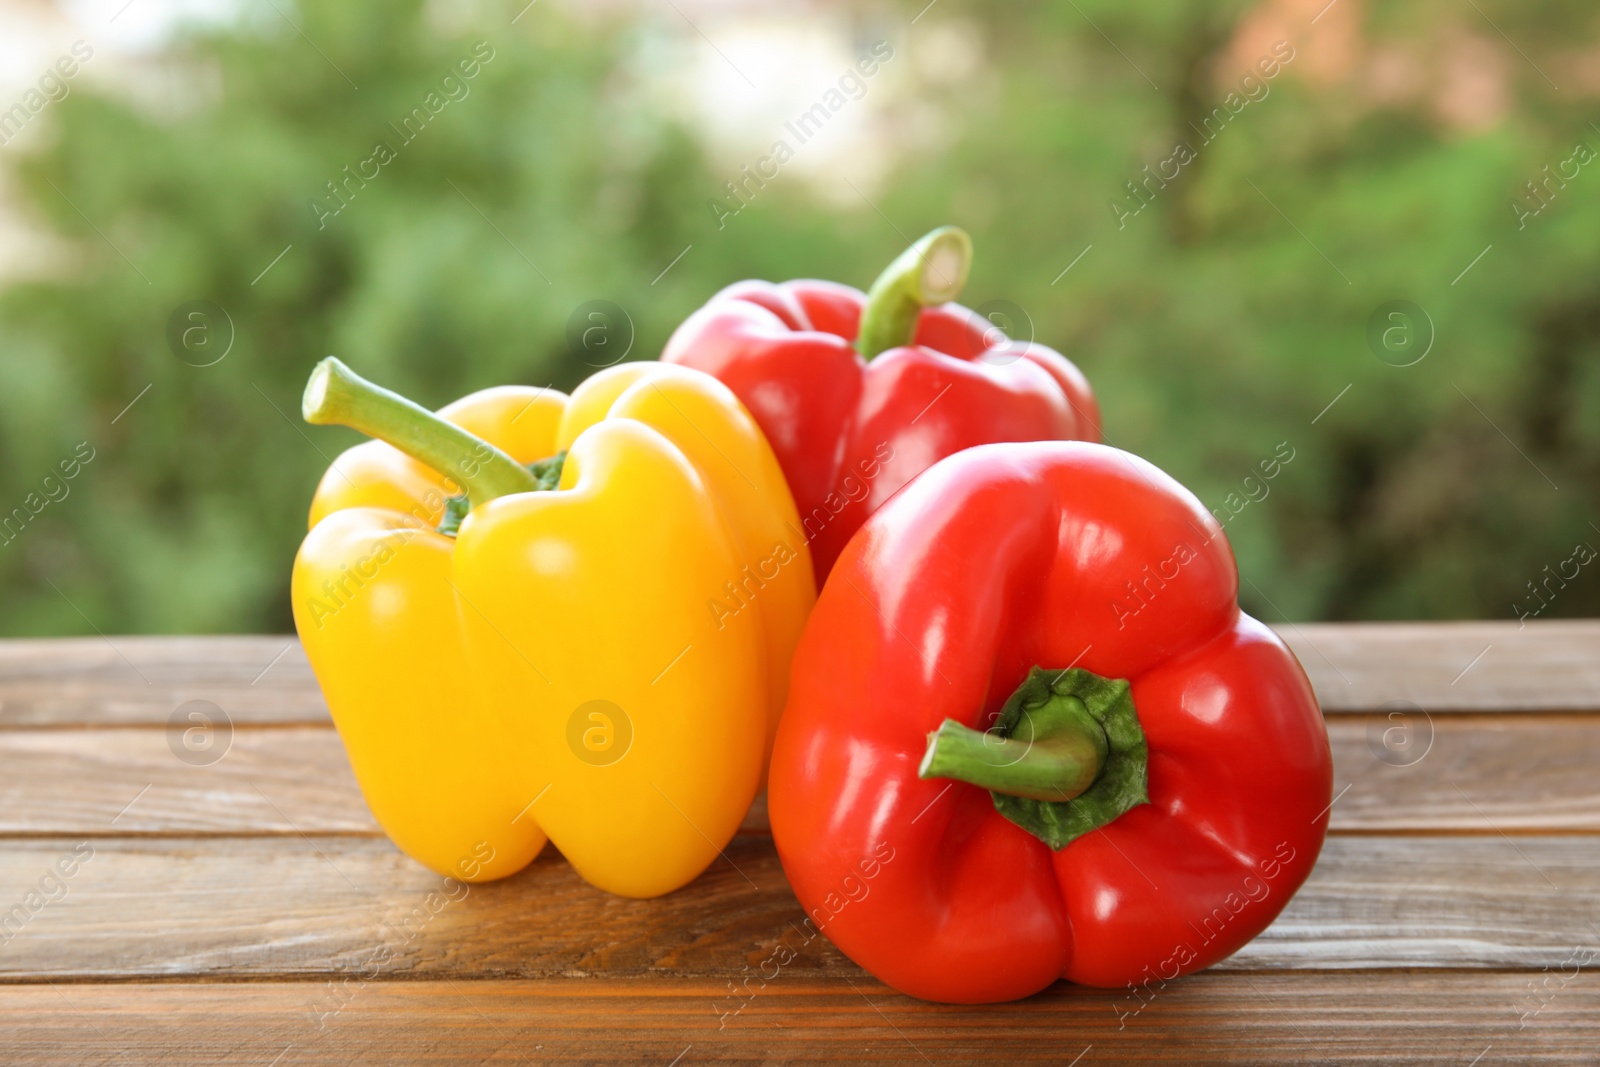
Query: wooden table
{"points": [[239, 905]]}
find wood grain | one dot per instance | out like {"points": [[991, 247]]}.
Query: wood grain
{"points": [[247, 910], [106, 681], [1548, 666], [121, 780], [1452, 1019], [226, 907], [1452, 666], [1472, 773]]}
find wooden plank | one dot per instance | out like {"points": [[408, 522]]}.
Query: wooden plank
{"points": [[1549, 666], [263, 906], [1520, 773], [1452, 666], [1454, 1019], [1464, 943], [104, 681], [1475, 773], [222, 907], [273, 780]]}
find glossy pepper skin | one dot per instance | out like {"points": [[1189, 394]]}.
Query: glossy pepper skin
{"points": [[559, 667], [850, 427], [994, 562]]}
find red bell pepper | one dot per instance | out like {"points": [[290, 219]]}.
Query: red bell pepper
{"points": [[1031, 736], [858, 393]]}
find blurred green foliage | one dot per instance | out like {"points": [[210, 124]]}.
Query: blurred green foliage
{"points": [[1216, 324]]}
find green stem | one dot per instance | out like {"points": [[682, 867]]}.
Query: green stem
{"points": [[930, 272], [1066, 755], [338, 396], [1054, 752]]}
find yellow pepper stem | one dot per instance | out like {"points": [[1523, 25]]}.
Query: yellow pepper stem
{"points": [[338, 396]]}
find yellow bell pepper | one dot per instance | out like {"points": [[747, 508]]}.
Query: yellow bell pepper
{"points": [[599, 654]]}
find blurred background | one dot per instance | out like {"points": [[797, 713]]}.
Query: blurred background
{"points": [[1353, 245]]}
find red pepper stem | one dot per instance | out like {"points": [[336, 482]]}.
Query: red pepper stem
{"points": [[1054, 751], [338, 396], [930, 272]]}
